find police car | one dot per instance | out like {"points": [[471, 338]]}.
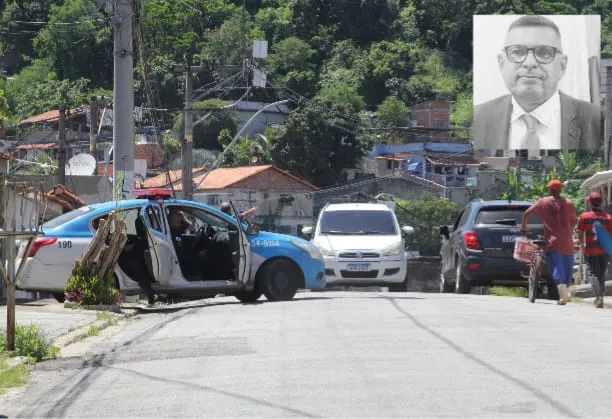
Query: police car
{"points": [[184, 263]]}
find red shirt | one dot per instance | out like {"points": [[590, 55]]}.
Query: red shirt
{"points": [[558, 215], [586, 224]]}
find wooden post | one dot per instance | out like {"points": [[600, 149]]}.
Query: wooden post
{"points": [[93, 130], [61, 136], [10, 293]]}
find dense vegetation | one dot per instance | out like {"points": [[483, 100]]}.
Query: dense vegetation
{"points": [[338, 61]]}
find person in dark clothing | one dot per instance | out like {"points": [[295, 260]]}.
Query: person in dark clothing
{"points": [[596, 258]]}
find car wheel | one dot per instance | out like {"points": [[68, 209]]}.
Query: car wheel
{"points": [[248, 296], [60, 297], [279, 281], [445, 287], [462, 285]]}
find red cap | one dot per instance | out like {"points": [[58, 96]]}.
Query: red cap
{"points": [[555, 185], [594, 197]]}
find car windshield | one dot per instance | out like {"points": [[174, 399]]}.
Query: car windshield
{"points": [[358, 222], [64, 218], [504, 216]]}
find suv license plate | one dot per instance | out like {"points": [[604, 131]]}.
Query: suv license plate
{"points": [[358, 267], [509, 239]]}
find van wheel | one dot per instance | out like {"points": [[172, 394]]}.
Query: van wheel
{"points": [[248, 296], [279, 281], [60, 297]]}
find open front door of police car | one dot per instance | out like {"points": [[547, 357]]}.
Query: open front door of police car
{"points": [[159, 255], [244, 263]]}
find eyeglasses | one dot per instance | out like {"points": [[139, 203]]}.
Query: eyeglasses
{"points": [[543, 54]]}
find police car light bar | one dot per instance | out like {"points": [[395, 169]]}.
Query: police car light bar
{"points": [[153, 193]]}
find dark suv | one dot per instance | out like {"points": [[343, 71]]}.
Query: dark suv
{"points": [[478, 249]]}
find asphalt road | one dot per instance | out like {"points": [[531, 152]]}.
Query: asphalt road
{"points": [[359, 354]]}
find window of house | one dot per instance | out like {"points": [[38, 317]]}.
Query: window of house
{"points": [[389, 164], [438, 170], [438, 123]]}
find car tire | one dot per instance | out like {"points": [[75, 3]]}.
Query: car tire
{"points": [[248, 296], [279, 280], [462, 285], [60, 297], [445, 287]]}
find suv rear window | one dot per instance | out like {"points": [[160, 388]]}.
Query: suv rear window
{"points": [[357, 222], [504, 216]]}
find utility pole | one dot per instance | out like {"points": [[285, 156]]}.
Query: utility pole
{"points": [[123, 99], [187, 142], [61, 137], [93, 130], [608, 122]]}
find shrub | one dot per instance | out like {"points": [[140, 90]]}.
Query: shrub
{"points": [[91, 290], [31, 342]]}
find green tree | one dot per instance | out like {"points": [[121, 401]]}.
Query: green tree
{"points": [[290, 64], [425, 215], [318, 145], [241, 152], [392, 112], [16, 39], [37, 89], [206, 133], [84, 49]]}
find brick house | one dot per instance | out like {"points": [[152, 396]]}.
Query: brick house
{"points": [[151, 153], [284, 201]]}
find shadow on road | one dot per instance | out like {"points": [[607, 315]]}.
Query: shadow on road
{"points": [[483, 363]]}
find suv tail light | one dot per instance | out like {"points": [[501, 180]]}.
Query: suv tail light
{"points": [[471, 241], [40, 242]]}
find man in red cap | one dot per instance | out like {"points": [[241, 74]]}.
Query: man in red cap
{"points": [[596, 258], [558, 216]]}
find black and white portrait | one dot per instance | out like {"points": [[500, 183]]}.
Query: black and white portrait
{"points": [[536, 82]]}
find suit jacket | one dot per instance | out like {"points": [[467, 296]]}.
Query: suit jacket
{"points": [[580, 124]]}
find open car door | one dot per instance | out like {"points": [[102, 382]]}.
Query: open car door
{"points": [[158, 255], [244, 264]]}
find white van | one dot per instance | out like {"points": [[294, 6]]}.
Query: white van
{"points": [[362, 244]]}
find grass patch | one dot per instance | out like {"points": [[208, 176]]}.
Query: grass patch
{"points": [[107, 317], [13, 377], [30, 342], [93, 330], [508, 291]]}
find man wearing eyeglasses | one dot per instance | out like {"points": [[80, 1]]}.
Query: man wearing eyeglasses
{"points": [[535, 115]]}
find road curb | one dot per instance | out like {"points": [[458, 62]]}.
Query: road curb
{"points": [[83, 332]]}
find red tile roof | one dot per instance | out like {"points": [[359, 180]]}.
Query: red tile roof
{"points": [[222, 178], [35, 146], [51, 116]]}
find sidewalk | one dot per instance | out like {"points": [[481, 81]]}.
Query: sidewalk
{"points": [[50, 316]]}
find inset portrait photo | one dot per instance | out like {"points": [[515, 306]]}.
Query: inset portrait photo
{"points": [[536, 82]]}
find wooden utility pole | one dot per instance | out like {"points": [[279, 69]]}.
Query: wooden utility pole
{"points": [[93, 130], [608, 121], [187, 140], [61, 137]]}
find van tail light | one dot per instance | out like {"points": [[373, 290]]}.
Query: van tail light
{"points": [[38, 243], [471, 241]]}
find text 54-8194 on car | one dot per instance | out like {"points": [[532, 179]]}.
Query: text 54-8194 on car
{"points": [[187, 248]]}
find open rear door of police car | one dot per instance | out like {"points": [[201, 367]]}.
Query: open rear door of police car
{"points": [[244, 263], [159, 255]]}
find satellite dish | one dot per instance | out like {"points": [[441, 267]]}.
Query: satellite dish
{"points": [[81, 165]]}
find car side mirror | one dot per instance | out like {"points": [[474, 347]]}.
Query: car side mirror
{"points": [[444, 231], [252, 229], [307, 231], [407, 230]]}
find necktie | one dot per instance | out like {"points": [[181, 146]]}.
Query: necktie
{"points": [[531, 141]]}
